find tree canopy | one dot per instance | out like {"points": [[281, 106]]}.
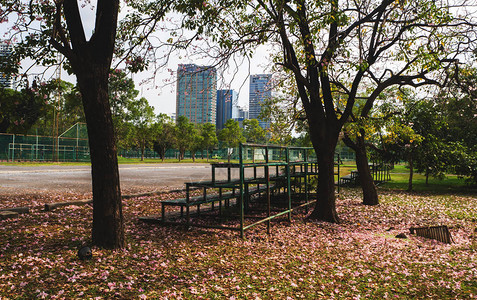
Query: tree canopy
{"points": [[336, 51]]}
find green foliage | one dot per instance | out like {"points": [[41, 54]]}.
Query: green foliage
{"points": [[185, 135], [252, 131], [20, 110], [139, 122], [231, 135], [282, 113], [63, 103], [302, 140], [209, 137], [164, 135], [430, 132], [121, 92]]}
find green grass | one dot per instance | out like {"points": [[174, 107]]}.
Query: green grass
{"points": [[449, 184], [400, 178], [400, 168]]}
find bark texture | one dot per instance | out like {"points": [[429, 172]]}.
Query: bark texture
{"points": [[91, 62], [324, 143], [366, 181]]}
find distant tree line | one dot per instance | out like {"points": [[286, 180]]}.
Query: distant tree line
{"points": [[37, 109]]}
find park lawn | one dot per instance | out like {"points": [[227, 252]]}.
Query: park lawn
{"points": [[359, 258], [449, 184]]}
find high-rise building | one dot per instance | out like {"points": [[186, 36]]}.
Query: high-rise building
{"points": [[5, 51], [226, 101], [260, 90], [196, 93], [239, 112]]}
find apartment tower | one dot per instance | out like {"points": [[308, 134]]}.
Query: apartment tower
{"points": [[196, 96], [260, 90]]}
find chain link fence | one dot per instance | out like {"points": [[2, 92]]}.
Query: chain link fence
{"points": [[72, 145]]}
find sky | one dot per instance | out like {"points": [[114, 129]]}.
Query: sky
{"points": [[163, 98], [162, 92]]}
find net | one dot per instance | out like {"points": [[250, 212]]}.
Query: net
{"points": [[72, 145]]}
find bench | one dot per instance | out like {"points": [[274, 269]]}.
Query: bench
{"points": [[213, 198], [197, 201], [350, 178]]}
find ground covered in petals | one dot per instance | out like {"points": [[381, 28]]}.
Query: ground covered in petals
{"points": [[359, 258]]}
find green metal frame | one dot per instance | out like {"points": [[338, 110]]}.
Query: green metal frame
{"points": [[290, 175]]}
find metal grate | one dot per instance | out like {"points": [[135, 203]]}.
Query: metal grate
{"points": [[439, 233]]}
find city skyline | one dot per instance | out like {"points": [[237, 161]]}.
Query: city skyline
{"points": [[196, 86]]}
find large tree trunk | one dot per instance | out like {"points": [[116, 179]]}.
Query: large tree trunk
{"points": [[370, 193], [91, 61], [324, 142], [108, 226]]}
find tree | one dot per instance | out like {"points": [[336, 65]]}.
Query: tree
{"points": [[428, 134], [329, 76], [73, 107], [140, 117], [122, 97], [20, 110], [63, 107], [90, 61], [402, 143], [357, 143], [165, 135], [252, 131], [59, 27], [197, 143], [209, 137], [430, 156], [231, 135], [283, 116], [335, 51], [356, 133], [443, 148], [185, 135], [457, 104]]}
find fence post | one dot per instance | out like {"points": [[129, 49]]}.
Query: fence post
{"points": [[242, 183], [13, 149], [36, 148], [287, 171]]}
